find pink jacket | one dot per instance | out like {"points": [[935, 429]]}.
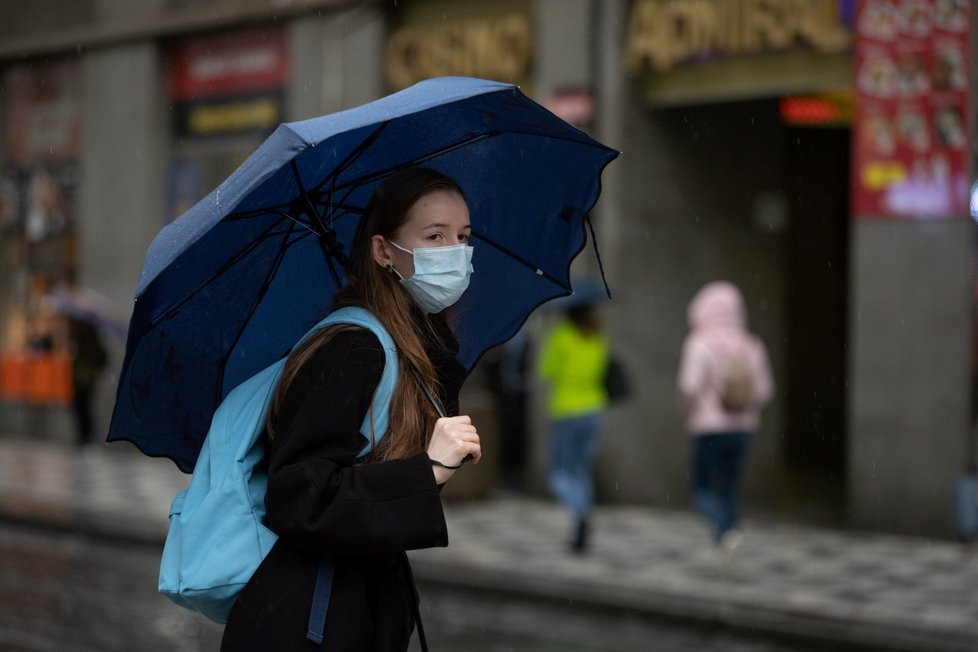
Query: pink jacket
{"points": [[718, 333]]}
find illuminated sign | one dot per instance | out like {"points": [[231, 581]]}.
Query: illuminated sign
{"points": [[664, 33], [822, 109], [499, 49]]}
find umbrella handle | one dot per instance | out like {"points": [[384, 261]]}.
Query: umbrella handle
{"points": [[438, 409]]}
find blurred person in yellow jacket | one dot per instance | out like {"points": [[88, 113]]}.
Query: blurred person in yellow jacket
{"points": [[573, 361]]}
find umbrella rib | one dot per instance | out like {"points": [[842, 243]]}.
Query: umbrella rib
{"points": [[354, 183], [314, 216], [289, 216], [267, 283], [217, 273], [342, 208], [566, 139], [256, 212], [351, 157], [503, 250]]}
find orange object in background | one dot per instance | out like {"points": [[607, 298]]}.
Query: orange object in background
{"points": [[13, 378], [37, 379]]}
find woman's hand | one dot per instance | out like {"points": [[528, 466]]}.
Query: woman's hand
{"points": [[452, 440]]}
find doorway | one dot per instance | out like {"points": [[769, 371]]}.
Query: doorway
{"points": [[817, 184]]}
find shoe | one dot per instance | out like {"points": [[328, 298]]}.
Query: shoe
{"points": [[579, 542], [729, 544]]}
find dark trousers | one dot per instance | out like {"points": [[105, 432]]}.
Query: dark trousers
{"points": [[717, 468], [82, 409]]}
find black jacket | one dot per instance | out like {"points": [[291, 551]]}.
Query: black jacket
{"points": [[321, 501]]}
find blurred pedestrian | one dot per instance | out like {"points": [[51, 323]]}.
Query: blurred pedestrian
{"points": [[507, 370], [40, 334], [573, 360], [88, 360], [725, 380]]}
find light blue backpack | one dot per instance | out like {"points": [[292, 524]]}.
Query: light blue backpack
{"points": [[217, 535]]}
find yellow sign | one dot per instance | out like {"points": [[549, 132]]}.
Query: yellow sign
{"points": [[260, 113], [498, 49], [663, 33], [882, 174]]}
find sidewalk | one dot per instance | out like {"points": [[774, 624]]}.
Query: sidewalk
{"points": [[891, 592]]}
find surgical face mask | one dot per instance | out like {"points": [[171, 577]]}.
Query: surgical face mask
{"points": [[441, 275]]}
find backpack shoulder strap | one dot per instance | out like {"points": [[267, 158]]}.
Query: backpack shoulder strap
{"points": [[385, 390]]}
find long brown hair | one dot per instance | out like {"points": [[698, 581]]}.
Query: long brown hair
{"points": [[378, 290]]}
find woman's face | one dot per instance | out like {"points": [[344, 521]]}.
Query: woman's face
{"points": [[438, 219]]}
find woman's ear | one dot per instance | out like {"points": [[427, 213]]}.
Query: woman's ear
{"points": [[380, 252]]}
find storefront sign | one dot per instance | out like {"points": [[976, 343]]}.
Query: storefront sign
{"points": [[499, 49], [229, 84], [42, 112], [664, 33], [235, 63], [910, 150], [229, 115]]}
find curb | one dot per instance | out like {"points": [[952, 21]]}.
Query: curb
{"points": [[23, 511], [852, 634]]}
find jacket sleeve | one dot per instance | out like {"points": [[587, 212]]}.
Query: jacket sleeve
{"points": [[320, 498], [693, 368]]}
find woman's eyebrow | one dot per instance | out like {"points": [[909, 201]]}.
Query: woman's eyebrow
{"points": [[443, 225]]}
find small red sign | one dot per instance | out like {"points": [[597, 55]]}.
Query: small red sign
{"points": [[229, 64]]}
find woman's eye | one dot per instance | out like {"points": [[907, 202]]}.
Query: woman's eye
{"points": [[464, 237]]}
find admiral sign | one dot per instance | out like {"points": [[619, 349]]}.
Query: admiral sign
{"points": [[666, 33]]}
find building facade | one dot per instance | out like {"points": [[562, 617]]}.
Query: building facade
{"points": [[735, 121]]}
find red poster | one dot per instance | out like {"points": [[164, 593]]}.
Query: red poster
{"points": [[910, 147]]}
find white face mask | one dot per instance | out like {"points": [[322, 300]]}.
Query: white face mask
{"points": [[441, 275]]}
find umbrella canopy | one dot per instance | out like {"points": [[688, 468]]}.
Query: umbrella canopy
{"points": [[586, 292], [228, 288], [89, 306]]}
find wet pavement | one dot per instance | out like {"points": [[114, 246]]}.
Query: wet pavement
{"points": [[64, 590], [838, 587]]}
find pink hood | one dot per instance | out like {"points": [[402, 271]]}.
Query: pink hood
{"points": [[718, 335], [718, 305]]}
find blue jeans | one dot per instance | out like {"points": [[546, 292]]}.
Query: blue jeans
{"points": [[573, 447], [718, 464]]}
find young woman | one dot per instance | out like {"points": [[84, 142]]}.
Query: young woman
{"points": [[410, 261]]}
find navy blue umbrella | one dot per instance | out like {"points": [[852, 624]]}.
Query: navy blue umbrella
{"points": [[228, 288]]}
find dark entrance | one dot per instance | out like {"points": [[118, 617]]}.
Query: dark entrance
{"points": [[817, 185]]}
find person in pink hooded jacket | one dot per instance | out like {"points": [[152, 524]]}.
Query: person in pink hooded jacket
{"points": [[725, 380]]}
